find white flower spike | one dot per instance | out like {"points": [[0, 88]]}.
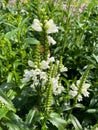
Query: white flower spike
{"points": [[74, 92]]}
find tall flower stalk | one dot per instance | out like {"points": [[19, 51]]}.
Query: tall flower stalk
{"points": [[81, 87], [45, 70]]}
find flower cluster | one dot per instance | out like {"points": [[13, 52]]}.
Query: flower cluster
{"points": [[40, 76], [78, 92], [49, 26]]}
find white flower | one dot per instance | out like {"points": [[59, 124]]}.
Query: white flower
{"points": [[36, 25], [32, 85], [51, 27], [44, 65], [79, 97], [24, 11], [34, 78], [78, 92], [86, 93], [63, 69], [73, 93], [51, 40], [43, 75], [84, 89], [51, 59], [74, 87], [86, 85], [37, 71], [74, 90], [28, 74], [35, 83], [44, 82], [25, 80], [57, 89], [31, 64]]}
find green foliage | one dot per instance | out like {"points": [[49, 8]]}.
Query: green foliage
{"points": [[25, 108]]}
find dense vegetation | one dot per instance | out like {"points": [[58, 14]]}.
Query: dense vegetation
{"points": [[48, 65]]}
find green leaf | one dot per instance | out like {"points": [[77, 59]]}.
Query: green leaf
{"points": [[14, 122], [75, 122], [7, 86], [57, 121], [4, 99], [79, 105], [3, 112], [9, 78], [93, 102], [31, 41], [30, 116], [92, 110], [95, 57], [11, 94], [17, 63], [9, 35], [1, 128]]}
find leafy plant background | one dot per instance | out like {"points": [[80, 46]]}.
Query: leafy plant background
{"points": [[77, 43]]}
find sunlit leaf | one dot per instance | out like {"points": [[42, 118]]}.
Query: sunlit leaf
{"points": [[57, 121], [11, 34], [3, 112], [30, 116], [14, 122], [6, 101], [31, 41], [75, 122]]}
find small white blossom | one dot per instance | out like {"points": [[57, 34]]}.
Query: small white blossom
{"points": [[37, 71], [77, 92], [27, 76], [35, 83], [31, 64], [63, 69], [84, 89], [51, 40], [44, 65], [32, 85], [24, 11], [51, 27], [86, 93], [25, 80], [43, 75], [51, 59], [44, 82], [74, 87], [57, 89], [36, 25], [73, 93], [79, 97], [34, 77]]}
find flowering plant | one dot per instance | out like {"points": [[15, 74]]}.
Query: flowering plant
{"points": [[48, 65], [45, 72]]}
